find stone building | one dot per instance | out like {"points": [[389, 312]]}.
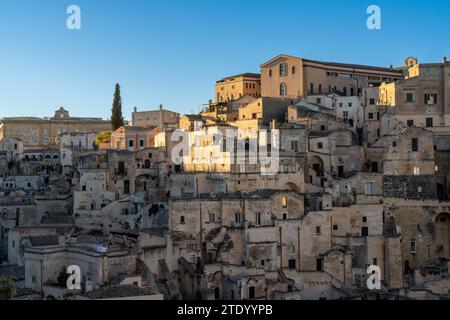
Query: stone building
{"points": [[38, 133], [293, 77], [422, 97], [161, 118], [235, 87], [408, 164]]}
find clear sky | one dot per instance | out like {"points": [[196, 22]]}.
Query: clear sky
{"points": [[171, 52]]}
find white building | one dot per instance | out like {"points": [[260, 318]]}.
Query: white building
{"points": [[75, 142]]}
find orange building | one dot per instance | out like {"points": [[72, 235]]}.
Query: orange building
{"points": [[232, 88]]}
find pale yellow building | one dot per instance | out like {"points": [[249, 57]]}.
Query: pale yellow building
{"points": [[292, 77], [38, 133], [155, 118], [133, 138], [422, 98], [234, 87]]}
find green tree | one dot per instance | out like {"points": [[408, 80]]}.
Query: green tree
{"points": [[103, 137], [116, 111]]}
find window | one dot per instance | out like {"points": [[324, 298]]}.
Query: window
{"points": [[284, 201], [283, 70], [294, 145], [285, 216], [413, 246], [33, 279], [415, 144], [318, 100], [182, 221], [371, 101], [410, 123], [130, 143], [291, 264], [436, 168], [368, 188], [320, 88], [409, 97], [263, 262], [345, 116], [270, 72], [416, 171], [429, 122], [419, 189], [370, 116], [211, 217], [374, 261], [364, 231], [319, 145], [141, 143], [430, 98], [350, 104], [341, 104], [335, 227], [237, 217], [318, 231], [258, 218], [283, 89], [322, 128], [364, 219], [394, 144], [293, 70]]}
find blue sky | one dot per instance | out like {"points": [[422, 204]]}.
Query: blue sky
{"points": [[171, 52]]}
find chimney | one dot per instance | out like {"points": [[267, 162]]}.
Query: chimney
{"points": [[135, 109], [445, 59]]}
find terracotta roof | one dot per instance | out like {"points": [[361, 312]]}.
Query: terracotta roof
{"points": [[247, 74]]}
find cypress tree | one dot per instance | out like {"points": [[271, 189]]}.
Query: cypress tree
{"points": [[116, 111]]}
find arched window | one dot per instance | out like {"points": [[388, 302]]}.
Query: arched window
{"points": [[283, 70], [283, 89]]}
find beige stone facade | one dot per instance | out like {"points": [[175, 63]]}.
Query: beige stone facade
{"points": [[38, 133], [293, 77], [234, 87]]}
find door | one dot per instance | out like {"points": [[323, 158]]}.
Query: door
{"points": [[292, 264], [319, 265], [340, 171], [126, 187], [364, 231], [251, 292]]}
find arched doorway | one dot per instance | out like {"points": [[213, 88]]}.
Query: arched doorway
{"points": [[316, 164], [291, 186]]}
